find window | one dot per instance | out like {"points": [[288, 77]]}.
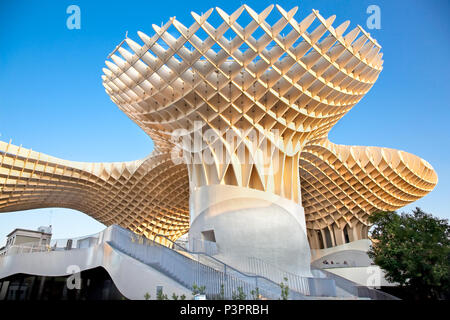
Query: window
{"points": [[209, 235]]}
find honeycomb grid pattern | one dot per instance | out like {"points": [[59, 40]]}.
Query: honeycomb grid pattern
{"points": [[148, 196], [300, 84], [343, 185], [294, 78]]}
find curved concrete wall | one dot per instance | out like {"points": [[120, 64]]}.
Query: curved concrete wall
{"points": [[353, 253], [251, 223], [131, 277]]}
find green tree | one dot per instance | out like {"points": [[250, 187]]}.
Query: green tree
{"points": [[147, 296], [414, 251]]}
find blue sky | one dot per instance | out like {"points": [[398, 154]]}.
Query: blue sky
{"points": [[52, 99]]}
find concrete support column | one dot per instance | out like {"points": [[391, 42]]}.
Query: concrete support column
{"points": [[356, 231], [313, 239], [250, 223], [339, 235], [324, 238], [332, 235]]}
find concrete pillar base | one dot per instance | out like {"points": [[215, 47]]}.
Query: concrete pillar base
{"points": [[248, 223]]}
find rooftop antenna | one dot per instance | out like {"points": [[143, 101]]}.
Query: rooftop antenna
{"points": [[50, 217], [118, 46]]}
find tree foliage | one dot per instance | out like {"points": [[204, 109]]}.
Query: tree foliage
{"points": [[239, 295], [198, 290], [414, 251]]}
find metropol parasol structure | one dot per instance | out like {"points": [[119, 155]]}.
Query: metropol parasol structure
{"points": [[239, 115]]}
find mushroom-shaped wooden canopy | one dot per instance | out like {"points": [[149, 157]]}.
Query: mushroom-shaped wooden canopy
{"points": [[296, 77]]}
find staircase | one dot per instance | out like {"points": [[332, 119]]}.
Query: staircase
{"points": [[221, 281]]}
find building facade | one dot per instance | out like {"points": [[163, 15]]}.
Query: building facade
{"points": [[23, 237]]}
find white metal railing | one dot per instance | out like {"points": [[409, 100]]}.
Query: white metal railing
{"points": [[219, 280], [204, 246], [265, 269], [77, 242], [257, 267], [55, 245], [27, 248], [197, 267], [355, 289]]}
